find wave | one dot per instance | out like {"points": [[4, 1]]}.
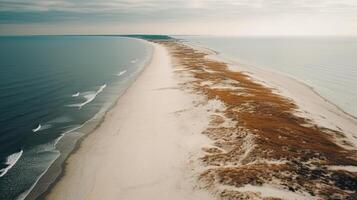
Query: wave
{"points": [[51, 146], [89, 96], [76, 94], [11, 160], [62, 119], [54, 143], [37, 129], [134, 61], [121, 73], [41, 128]]}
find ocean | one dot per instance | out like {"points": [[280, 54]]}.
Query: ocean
{"points": [[327, 64], [52, 87]]}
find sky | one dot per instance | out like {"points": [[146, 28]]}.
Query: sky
{"points": [[179, 17]]}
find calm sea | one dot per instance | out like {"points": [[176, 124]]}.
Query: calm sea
{"points": [[327, 64], [51, 86]]}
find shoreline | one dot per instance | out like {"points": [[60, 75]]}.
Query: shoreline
{"points": [[57, 191], [295, 79], [65, 145], [281, 85]]}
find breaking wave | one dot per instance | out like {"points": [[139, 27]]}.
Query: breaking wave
{"points": [[89, 96], [76, 94], [11, 160], [121, 73]]}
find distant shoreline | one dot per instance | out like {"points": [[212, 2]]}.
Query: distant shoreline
{"points": [[281, 82], [318, 62]]}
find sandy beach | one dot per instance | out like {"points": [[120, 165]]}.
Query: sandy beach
{"points": [[142, 149], [192, 127]]}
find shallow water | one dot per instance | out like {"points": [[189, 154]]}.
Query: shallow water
{"points": [[50, 85], [327, 64]]}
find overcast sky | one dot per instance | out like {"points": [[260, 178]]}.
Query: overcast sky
{"points": [[209, 17]]}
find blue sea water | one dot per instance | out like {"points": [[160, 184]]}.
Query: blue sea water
{"points": [[50, 85], [327, 64]]}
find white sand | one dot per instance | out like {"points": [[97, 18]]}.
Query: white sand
{"points": [[348, 168], [267, 190], [143, 147]]}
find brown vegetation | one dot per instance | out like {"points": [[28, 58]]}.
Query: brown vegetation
{"points": [[266, 143]]}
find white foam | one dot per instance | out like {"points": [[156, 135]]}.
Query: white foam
{"points": [[76, 94], [37, 128], [52, 146], [24, 194], [41, 127], [89, 96], [48, 147], [121, 73], [134, 61], [11, 160]]}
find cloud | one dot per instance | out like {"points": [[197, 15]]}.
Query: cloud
{"points": [[120, 12], [34, 6], [152, 5]]}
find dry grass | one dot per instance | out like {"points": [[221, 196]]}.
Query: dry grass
{"points": [[265, 130]]}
